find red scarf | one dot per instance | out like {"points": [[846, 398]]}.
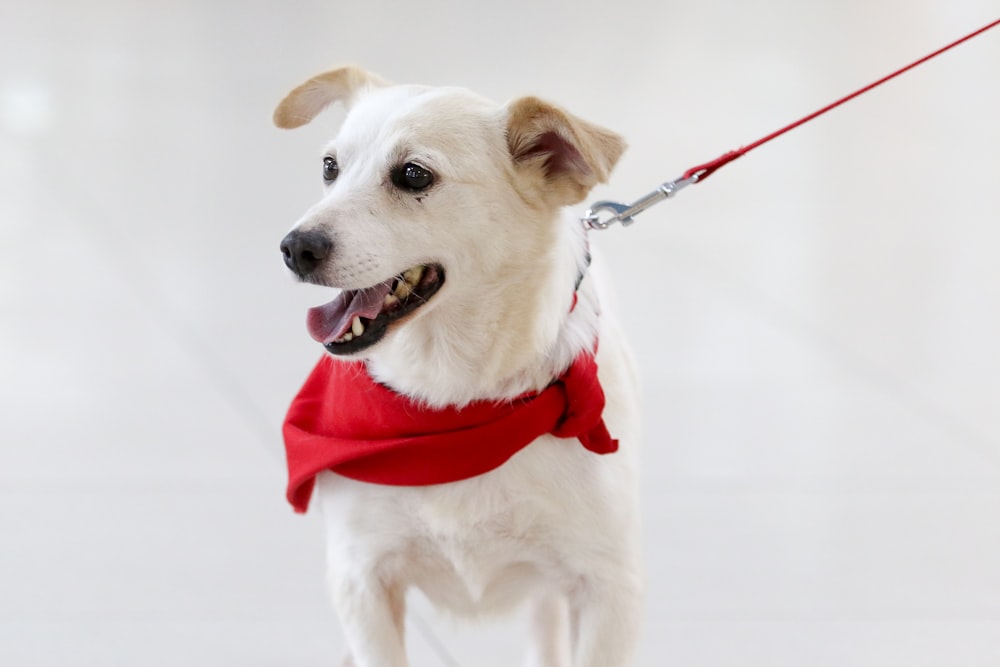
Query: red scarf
{"points": [[344, 421]]}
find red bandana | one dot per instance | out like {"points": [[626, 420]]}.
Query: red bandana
{"points": [[344, 421]]}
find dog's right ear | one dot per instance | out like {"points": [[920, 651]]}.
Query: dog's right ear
{"points": [[345, 84]]}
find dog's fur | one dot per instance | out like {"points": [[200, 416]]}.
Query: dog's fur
{"points": [[556, 525]]}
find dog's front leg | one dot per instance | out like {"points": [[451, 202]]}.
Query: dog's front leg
{"points": [[550, 632], [605, 617], [371, 615]]}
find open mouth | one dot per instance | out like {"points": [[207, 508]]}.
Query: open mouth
{"points": [[357, 319]]}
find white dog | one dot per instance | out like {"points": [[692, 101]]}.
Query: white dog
{"points": [[455, 432]]}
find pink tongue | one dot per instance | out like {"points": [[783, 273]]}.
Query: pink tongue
{"points": [[329, 322]]}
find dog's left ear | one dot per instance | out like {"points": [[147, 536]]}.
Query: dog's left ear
{"points": [[345, 84], [565, 155]]}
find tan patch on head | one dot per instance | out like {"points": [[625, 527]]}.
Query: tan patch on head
{"points": [[566, 156], [304, 103]]}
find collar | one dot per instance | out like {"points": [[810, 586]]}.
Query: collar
{"points": [[344, 421]]}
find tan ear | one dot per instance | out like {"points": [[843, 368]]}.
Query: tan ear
{"points": [[566, 155], [304, 103]]}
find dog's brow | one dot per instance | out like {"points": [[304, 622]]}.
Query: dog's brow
{"points": [[401, 152], [405, 152]]}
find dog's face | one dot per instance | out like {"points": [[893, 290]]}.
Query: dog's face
{"points": [[431, 195]]}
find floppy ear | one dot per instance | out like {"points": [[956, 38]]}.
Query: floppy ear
{"points": [[564, 155], [345, 85]]}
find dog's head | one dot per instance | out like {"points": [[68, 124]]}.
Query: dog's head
{"points": [[431, 195]]}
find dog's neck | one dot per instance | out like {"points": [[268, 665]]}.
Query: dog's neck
{"points": [[498, 340]]}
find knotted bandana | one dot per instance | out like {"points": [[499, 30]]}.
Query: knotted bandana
{"points": [[342, 420]]}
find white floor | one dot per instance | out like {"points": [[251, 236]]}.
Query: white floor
{"points": [[818, 324]]}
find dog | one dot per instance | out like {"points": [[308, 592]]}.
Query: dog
{"points": [[466, 287]]}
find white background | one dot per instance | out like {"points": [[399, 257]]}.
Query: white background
{"points": [[817, 325]]}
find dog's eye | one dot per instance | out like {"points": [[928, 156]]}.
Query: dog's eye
{"points": [[330, 169], [412, 176]]}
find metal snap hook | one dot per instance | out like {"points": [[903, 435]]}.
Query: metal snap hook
{"points": [[624, 213], [592, 220]]}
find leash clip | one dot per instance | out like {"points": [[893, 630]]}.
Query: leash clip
{"points": [[625, 213]]}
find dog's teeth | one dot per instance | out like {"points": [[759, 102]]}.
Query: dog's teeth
{"points": [[357, 326], [346, 337], [414, 275], [403, 290], [390, 299]]}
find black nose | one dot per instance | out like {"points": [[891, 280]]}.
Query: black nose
{"points": [[305, 251]]}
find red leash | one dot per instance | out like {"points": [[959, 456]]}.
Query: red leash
{"points": [[624, 213], [703, 171]]}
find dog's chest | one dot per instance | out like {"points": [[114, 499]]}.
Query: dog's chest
{"points": [[462, 562], [477, 544]]}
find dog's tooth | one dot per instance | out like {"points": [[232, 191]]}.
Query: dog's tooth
{"points": [[357, 326], [403, 290], [414, 275], [390, 299]]}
